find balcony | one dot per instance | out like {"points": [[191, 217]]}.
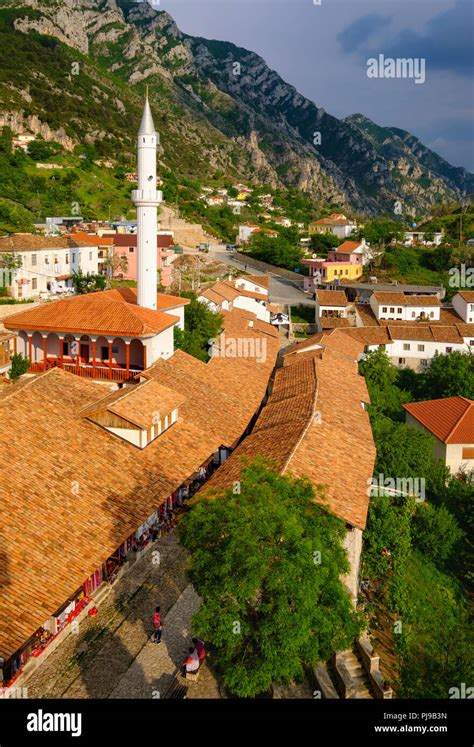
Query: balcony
{"points": [[103, 373]]}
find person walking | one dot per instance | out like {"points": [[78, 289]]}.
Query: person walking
{"points": [[199, 648], [156, 637], [191, 665]]}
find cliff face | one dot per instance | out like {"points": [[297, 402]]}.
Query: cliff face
{"points": [[219, 107]]}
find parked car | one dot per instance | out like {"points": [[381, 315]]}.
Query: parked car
{"points": [[230, 247]]}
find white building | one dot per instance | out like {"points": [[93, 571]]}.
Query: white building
{"points": [[239, 294], [463, 304], [418, 237], [330, 304], [398, 306], [46, 264], [451, 422], [246, 230]]}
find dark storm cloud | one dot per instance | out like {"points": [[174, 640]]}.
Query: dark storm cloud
{"points": [[447, 43]]}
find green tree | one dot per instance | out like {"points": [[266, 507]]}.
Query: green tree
{"points": [[87, 283], [436, 532], [381, 231], [201, 325], [381, 377], [267, 561], [450, 375], [19, 366]]}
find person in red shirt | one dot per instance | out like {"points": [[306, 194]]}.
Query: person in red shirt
{"points": [[199, 647], [191, 665], [156, 637]]}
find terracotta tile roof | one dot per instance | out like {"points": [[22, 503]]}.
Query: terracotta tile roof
{"points": [[347, 247], [226, 290], [467, 296], [51, 538], [262, 280], [93, 313], [163, 301], [335, 340], [447, 316], [21, 242], [446, 334], [138, 404], [328, 322], [400, 299], [466, 330], [93, 238], [250, 294], [410, 333], [315, 402], [450, 419], [369, 335], [331, 298], [163, 241], [385, 297], [212, 296]]}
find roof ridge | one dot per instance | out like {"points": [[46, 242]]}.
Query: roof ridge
{"points": [[310, 417], [458, 423]]}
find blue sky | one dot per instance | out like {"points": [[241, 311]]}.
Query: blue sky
{"points": [[323, 50]]}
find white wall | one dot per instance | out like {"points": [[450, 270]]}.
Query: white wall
{"points": [[251, 304], [179, 312], [454, 458], [463, 308], [405, 313], [43, 266], [353, 546], [160, 346], [251, 286]]}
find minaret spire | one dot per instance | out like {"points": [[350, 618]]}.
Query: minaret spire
{"points": [[147, 199]]}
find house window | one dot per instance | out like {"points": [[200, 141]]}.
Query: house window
{"points": [[468, 452], [449, 350], [67, 259], [104, 354], [406, 346], [34, 260], [471, 343], [46, 260], [421, 348], [73, 257], [384, 309], [431, 314], [34, 283], [66, 349], [413, 314], [392, 309], [90, 256], [131, 249], [424, 362], [401, 361], [399, 311], [114, 348]]}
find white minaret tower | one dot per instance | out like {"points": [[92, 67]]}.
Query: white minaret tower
{"points": [[147, 199]]}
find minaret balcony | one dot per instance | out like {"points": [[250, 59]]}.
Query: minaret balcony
{"points": [[147, 196]]}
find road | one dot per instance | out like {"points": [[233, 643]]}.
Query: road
{"points": [[282, 290]]}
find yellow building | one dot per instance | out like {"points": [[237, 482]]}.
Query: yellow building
{"points": [[341, 271]]}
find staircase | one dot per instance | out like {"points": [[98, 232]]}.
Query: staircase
{"points": [[353, 673], [351, 679]]}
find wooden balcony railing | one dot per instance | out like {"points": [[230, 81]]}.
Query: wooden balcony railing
{"points": [[104, 373]]}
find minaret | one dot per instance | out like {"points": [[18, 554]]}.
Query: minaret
{"points": [[147, 199]]}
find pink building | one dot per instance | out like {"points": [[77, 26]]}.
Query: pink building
{"points": [[125, 244]]}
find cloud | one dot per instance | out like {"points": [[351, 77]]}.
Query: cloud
{"points": [[447, 43], [358, 32]]}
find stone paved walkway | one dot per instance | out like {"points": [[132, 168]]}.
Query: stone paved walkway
{"points": [[112, 656]]}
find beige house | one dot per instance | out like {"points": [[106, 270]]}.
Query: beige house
{"points": [[451, 422]]}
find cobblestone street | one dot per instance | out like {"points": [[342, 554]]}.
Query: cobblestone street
{"points": [[111, 654]]}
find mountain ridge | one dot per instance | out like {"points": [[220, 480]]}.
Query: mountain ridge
{"points": [[219, 108]]}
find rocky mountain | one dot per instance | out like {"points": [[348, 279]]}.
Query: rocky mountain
{"points": [[74, 71]]}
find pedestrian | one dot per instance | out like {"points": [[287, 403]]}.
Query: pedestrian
{"points": [[191, 665], [156, 637], [199, 648]]}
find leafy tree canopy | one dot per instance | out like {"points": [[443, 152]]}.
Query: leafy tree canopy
{"points": [[267, 562]]}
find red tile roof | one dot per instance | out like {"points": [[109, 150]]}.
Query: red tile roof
{"points": [[315, 404], [347, 247], [450, 419], [467, 296], [331, 298], [113, 312], [51, 540]]}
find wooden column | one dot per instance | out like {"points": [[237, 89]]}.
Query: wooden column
{"points": [[30, 348], [110, 360], [94, 353], [61, 350], [45, 354], [144, 356], [14, 344], [127, 356]]}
